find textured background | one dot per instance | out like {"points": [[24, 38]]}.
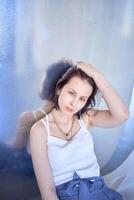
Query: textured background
{"points": [[33, 34]]}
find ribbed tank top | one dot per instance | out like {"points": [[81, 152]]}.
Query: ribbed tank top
{"points": [[75, 155]]}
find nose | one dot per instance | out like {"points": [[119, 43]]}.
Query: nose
{"points": [[74, 102]]}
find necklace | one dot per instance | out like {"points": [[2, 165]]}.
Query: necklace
{"points": [[66, 134]]}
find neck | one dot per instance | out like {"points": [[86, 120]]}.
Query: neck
{"points": [[63, 117]]}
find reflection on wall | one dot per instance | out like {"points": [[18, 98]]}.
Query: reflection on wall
{"points": [[126, 143], [36, 33]]}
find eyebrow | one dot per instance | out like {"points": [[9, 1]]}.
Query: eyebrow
{"points": [[76, 93]]}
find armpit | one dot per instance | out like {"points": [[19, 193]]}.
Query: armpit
{"points": [[91, 113]]}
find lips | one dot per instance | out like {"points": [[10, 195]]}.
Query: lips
{"points": [[69, 109]]}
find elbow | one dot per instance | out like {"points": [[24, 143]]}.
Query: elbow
{"points": [[125, 115]]}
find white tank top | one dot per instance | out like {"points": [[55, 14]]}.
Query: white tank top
{"points": [[75, 155]]}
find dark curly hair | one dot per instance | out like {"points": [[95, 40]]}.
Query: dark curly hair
{"points": [[76, 72]]}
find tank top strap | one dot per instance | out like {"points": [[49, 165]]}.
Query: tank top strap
{"points": [[82, 123], [46, 124], [34, 114]]}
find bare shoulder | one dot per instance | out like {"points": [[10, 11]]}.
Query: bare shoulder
{"points": [[38, 130]]}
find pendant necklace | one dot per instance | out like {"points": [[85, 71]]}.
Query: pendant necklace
{"points": [[66, 134]]}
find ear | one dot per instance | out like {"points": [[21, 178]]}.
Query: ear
{"points": [[58, 92]]}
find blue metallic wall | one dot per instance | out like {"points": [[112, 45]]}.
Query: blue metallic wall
{"points": [[34, 34]]}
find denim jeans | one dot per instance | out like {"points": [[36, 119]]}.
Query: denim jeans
{"points": [[92, 188]]}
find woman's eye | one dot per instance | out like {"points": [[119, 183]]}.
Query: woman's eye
{"points": [[70, 92], [83, 99]]}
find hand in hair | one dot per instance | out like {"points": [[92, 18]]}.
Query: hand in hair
{"points": [[87, 68]]}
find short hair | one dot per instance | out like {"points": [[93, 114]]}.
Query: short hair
{"points": [[54, 72], [76, 72]]}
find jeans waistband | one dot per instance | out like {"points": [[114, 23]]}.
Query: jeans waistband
{"points": [[77, 180]]}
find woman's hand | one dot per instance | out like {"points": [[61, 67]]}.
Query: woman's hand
{"points": [[89, 69]]}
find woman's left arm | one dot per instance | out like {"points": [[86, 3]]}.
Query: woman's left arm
{"points": [[117, 111]]}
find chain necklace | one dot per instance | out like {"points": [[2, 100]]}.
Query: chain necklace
{"points": [[66, 134]]}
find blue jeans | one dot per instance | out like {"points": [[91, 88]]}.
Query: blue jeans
{"points": [[92, 188]]}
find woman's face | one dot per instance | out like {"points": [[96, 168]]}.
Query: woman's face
{"points": [[74, 95]]}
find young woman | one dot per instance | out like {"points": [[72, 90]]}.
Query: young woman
{"points": [[61, 146]]}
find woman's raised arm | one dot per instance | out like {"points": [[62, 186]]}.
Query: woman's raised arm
{"points": [[117, 111]]}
